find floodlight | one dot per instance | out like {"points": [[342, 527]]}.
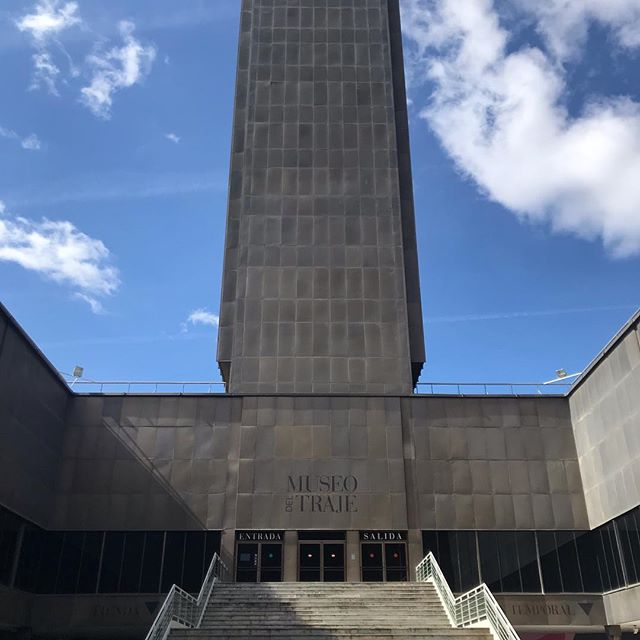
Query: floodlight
{"points": [[78, 372], [561, 373]]}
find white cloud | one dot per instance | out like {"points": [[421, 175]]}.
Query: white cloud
{"points": [[46, 22], [172, 137], [500, 116], [202, 317], [3, 207], [564, 24], [94, 304], [116, 69], [32, 143], [58, 251], [48, 19], [8, 133], [45, 73]]}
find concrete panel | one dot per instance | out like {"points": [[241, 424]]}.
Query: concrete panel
{"points": [[605, 411], [494, 463], [33, 402]]}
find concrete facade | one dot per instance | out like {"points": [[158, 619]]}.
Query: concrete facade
{"points": [[33, 401], [236, 462], [228, 463], [320, 289], [605, 409], [319, 438]]}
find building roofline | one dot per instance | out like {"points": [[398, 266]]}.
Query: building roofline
{"points": [[25, 336], [617, 338]]}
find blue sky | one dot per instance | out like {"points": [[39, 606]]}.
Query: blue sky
{"points": [[115, 127]]}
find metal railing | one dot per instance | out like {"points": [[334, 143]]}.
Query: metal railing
{"points": [[184, 609], [515, 389], [145, 386], [476, 608]]}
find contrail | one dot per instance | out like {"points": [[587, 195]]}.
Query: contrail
{"points": [[511, 315]]}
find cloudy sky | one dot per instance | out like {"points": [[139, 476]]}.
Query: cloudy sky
{"points": [[115, 126]]}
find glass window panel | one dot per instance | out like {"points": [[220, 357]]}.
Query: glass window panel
{"points": [[490, 560], [629, 532], [614, 577], [90, 563], [528, 561], [456, 554], [29, 561], [212, 545], [132, 562], [592, 560], [70, 559], [111, 561], [173, 559], [9, 530], [152, 562], [193, 571], [465, 560], [509, 565], [49, 561], [549, 562], [569, 565]]}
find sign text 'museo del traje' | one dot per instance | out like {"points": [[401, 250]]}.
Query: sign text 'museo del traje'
{"points": [[322, 494]]}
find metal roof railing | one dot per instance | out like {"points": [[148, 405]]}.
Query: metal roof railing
{"points": [[461, 389], [516, 389]]}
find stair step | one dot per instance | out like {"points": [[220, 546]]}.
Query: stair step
{"points": [[346, 611]]}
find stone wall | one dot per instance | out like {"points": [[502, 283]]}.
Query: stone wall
{"points": [[33, 402], [605, 410], [314, 462]]}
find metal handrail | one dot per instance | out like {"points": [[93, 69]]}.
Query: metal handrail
{"points": [[183, 608], [516, 389], [475, 608]]}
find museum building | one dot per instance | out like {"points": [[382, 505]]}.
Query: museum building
{"points": [[319, 462]]}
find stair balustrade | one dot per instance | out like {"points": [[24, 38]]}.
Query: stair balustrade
{"points": [[183, 608], [475, 608]]}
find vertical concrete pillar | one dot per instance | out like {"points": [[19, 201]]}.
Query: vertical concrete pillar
{"points": [[352, 559], [414, 551], [290, 573], [227, 552], [613, 631]]}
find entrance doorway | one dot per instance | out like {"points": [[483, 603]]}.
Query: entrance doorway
{"points": [[321, 561], [258, 560], [383, 560]]}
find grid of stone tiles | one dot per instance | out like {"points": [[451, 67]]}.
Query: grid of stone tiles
{"points": [[314, 295]]}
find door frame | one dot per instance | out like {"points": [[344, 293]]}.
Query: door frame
{"points": [[383, 544], [322, 543], [259, 543]]}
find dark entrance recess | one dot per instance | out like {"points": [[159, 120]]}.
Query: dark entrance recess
{"points": [[384, 556], [258, 557], [321, 560]]}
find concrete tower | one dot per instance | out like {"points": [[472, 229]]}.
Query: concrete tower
{"points": [[320, 289]]}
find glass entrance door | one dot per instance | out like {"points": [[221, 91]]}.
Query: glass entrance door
{"points": [[270, 562], [247, 562], [321, 561], [395, 561], [372, 562], [258, 562], [333, 562], [384, 561]]}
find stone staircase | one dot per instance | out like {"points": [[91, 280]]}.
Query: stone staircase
{"points": [[303, 610]]}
